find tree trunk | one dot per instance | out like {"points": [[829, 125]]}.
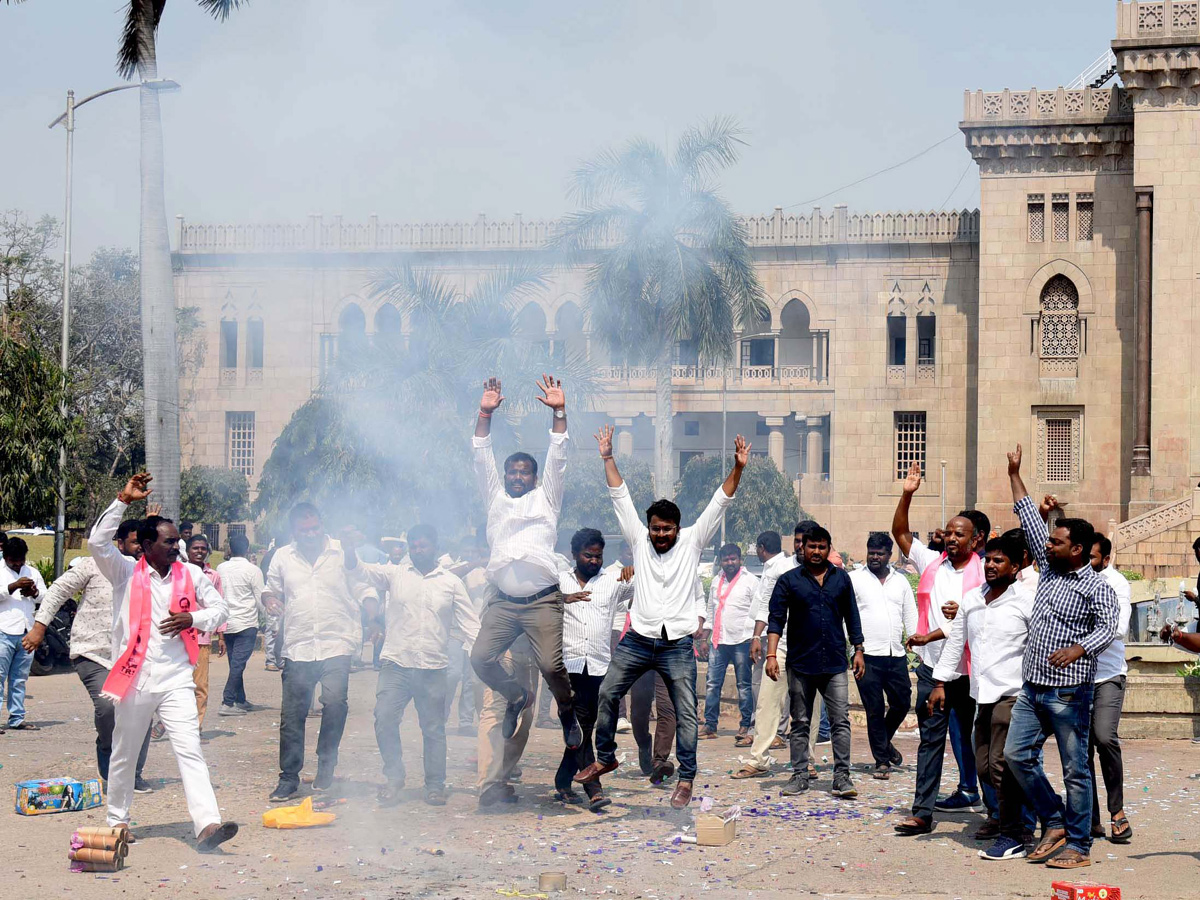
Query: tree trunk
{"points": [[664, 426], [159, 353]]}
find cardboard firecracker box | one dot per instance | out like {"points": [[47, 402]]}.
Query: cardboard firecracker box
{"points": [[1066, 890], [56, 795], [714, 830]]}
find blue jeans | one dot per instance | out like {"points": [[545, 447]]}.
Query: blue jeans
{"points": [[718, 661], [1065, 712], [239, 646], [426, 689], [14, 672], [960, 743], [675, 661]]}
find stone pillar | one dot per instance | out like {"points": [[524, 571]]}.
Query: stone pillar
{"points": [[816, 447], [623, 445], [816, 355], [1141, 432], [775, 440], [910, 350]]}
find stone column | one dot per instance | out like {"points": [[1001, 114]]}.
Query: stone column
{"points": [[816, 447], [775, 440], [1141, 433], [910, 350], [623, 446], [816, 355]]}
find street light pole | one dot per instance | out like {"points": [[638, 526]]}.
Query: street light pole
{"points": [[943, 492], [68, 120]]}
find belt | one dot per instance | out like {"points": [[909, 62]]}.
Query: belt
{"points": [[538, 596]]}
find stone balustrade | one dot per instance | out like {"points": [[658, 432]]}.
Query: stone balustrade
{"points": [[712, 376], [778, 229], [1158, 19], [991, 107]]}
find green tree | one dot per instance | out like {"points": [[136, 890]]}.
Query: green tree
{"points": [[213, 494], [587, 503], [766, 500], [31, 428], [386, 439], [668, 259]]}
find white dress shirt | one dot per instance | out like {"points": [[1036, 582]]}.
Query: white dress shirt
{"points": [[737, 621], [322, 609], [16, 610], [996, 633], [166, 667], [1111, 663], [242, 584], [522, 531], [587, 625], [479, 589], [91, 629], [947, 587], [773, 569], [621, 611], [664, 591], [887, 610], [423, 613]]}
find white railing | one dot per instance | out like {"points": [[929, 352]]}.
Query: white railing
{"points": [[1164, 18], [773, 230], [710, 375], [1061, 103]]}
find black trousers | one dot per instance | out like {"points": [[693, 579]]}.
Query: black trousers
{"points": [[92, 674], [1107, 702], [300, 679], [933, 735], [587, 696], [886, 677]]}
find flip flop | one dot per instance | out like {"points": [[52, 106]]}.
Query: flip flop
{"points": [[744, 740], [750, 772], [1069, 859], [1123, 836], [1046, 849], [905, 829]]}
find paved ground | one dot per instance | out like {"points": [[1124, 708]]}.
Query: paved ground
{"points": [[814, 846]]}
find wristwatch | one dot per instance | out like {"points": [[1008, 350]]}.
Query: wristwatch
{"points": [[560, 413]]}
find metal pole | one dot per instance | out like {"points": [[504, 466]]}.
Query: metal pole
{"points": [[724, 437], [60, 522], [943, 492]]}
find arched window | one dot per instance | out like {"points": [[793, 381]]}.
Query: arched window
{"points": [[758, 353], [569, 339], [254, 343], [1058, 346], [387, 327], [352, 329], [531, 325], [229, 343]]}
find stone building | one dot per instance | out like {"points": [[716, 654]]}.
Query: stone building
{"points": [[1060, 315]]}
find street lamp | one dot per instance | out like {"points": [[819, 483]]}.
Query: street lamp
{"points": [[943, 493], [68, 120]]}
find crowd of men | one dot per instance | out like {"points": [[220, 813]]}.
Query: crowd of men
{"points": [[1019, 636]]}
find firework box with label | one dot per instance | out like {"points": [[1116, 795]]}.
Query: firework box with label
{"points": [[716, 831], [56, 795], [1068, 890]]}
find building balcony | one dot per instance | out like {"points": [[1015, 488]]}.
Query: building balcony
{"points": [[711, 377]]}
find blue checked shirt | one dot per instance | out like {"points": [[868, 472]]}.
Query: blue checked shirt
{"points": [[1076, 607]]}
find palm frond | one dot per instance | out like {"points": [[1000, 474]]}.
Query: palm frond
{"points": [[510, 286], [597, 181], [137, 43], [589, 229], [704, 150], [220, 9]]}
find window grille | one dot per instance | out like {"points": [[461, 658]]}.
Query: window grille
{"points": [[1083, 215], [1037, 218], [1059, 462], [239, 429], [1060, 319], [910, 442], [1060, 209]]}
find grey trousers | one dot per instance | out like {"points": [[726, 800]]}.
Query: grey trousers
{"points": [[1107, 703], [504, 621], [835, 691]]}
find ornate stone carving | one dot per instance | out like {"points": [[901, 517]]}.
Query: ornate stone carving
{"points": [[1159, 77], [1152, 523]]}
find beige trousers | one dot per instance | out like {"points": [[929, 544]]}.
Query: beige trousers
{"points": [[200, 679], [772, 695], [498, 757]]}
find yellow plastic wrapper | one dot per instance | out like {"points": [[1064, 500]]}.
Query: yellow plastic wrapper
{"points": [[302, 816]]}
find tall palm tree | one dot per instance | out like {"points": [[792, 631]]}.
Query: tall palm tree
{"points": [[667, 258], [137, 56]]}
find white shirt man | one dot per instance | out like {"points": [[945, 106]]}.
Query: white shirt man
{"points": [[16, 618], [587, 625], [164, 683], [242, 584], [733, 599], [1111, 661], [947, 588], [888, 611], [322, 611], [996, 633]]}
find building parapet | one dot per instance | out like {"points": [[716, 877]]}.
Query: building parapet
{"points": [[1024, 107], [320, 235], [1176, 20]]}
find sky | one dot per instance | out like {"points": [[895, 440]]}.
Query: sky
{"points": [[440, 111]]}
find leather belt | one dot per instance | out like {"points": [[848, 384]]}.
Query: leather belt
{"points": [[538, 596]]}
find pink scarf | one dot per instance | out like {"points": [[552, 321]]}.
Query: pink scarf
{"points": [[183, 599], [724, 589], [972, 578]]}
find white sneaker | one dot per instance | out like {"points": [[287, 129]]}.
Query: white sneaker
{"points": [[623, 726]]}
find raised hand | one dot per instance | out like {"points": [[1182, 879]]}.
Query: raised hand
{"points": [[153, 509], [912, 482], [137, 488], [1048, 505], [741, 452], [552, 392], [1014, 461], [604, 438], [492, 396]]}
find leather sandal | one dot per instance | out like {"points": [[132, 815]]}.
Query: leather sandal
{"points": [[1050, 844], [913, 826], [1069, 859], [750, 772], [1122, 831], [743, 740]]}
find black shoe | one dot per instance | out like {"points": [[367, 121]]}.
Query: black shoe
{"points": [[467, 730], [646, 760], [923, 826], [844, 788], [285, 790], [797, 784], [435, 796], [662, 772], [389, 794], [572, 733], [497, 793], [142, 786], [512, 715], [897, 759], [249, 707], [323, 780]]}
